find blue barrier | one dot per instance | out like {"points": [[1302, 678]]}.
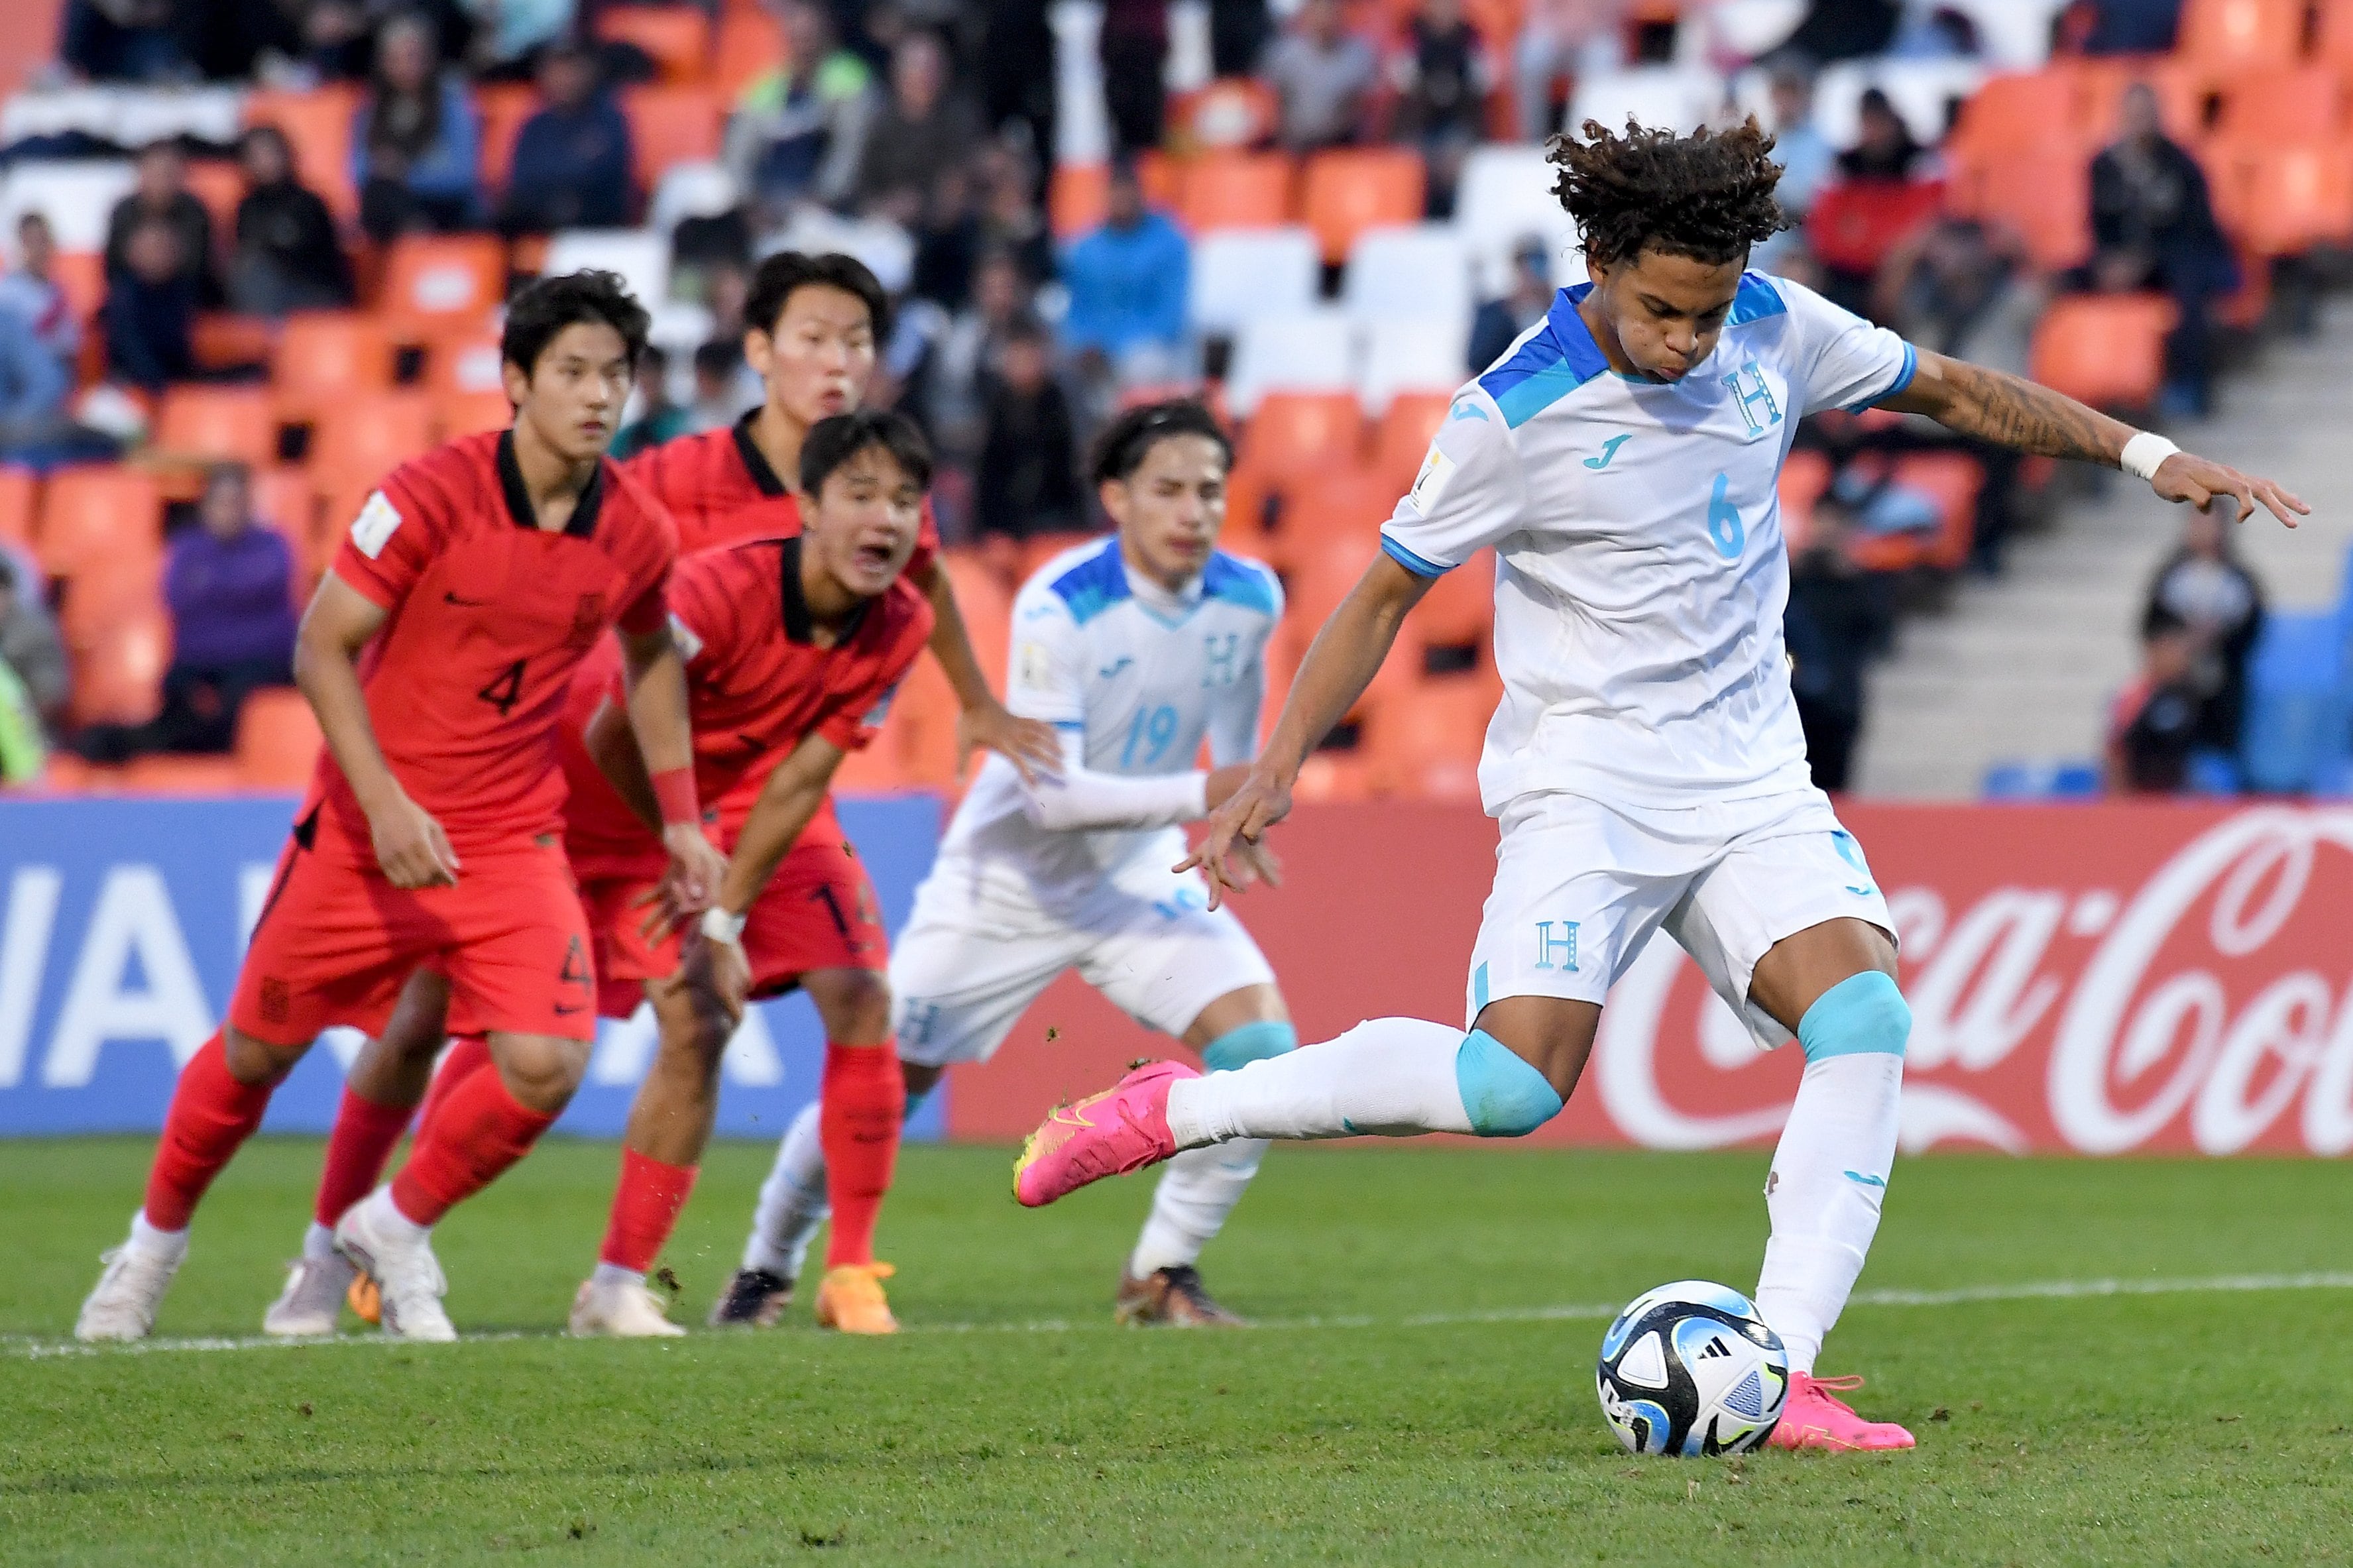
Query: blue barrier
{"points": [[122, 921]]}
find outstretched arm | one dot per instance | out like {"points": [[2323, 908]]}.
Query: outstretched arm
{"points": [[2011, 411]]}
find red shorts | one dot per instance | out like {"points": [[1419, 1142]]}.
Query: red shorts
{"points": [[337, 941], [819, 912]]}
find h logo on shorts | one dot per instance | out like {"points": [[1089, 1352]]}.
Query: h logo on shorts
{"points": [[1556, 944]]}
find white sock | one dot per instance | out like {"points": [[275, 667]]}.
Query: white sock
{"points": [[1844, 1121], [792, 1201], [1394, 1077], [614, 1274], [387, 1216], [1197, 1190], [319, 1242], [172, 1245]]}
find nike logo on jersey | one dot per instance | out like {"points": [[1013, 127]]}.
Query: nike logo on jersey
{"points": [[1107, 673], [1608, 450], [449, 598]]}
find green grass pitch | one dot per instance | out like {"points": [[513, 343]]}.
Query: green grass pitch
{"points": [[1419, 1391]]}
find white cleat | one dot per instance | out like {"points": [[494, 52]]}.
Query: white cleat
{"points": [[122, 1305], [312, 1305], [406, 1274], [619, 1310]]}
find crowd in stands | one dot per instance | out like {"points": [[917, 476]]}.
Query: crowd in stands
{"points": [[1325, 211]]}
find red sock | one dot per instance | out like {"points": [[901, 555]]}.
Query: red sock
{"points": [[211, 1117], [864, 1098], [467, 1054], [357, 1150], [645, 1208], [475, 1132]]}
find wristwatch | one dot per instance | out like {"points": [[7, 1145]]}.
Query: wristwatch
{"points": [[720, 926]]}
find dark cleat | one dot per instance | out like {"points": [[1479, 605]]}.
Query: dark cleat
{"points": [[1173, 1296], [755, 1298]]}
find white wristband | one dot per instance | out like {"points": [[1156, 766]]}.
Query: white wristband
{"points": [[720, 926], [2144, 453]]}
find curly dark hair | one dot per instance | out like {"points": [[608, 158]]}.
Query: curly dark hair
{"points": [[1708, 195]]}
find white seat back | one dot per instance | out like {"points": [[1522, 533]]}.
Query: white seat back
{"points": [[76, 196], [641, 256], [1412, 353], [1409, 269], [1241, 274], [1313, 351]]}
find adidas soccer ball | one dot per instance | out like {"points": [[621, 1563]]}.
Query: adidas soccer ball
{"points": [[1690, 1368]]}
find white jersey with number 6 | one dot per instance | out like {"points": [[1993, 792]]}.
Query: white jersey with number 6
{"points": [[1641, 573]]}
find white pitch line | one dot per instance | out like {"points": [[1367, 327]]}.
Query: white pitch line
{"points": [[34, 1347]]}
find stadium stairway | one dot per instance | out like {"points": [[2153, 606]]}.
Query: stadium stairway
{"points": [[2023, 667]]}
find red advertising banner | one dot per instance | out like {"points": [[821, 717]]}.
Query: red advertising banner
{"points": [[2091, 978]]}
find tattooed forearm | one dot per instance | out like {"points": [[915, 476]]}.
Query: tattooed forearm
{"points": [[2012, 412]]}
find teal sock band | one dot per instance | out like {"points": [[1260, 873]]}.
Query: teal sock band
{"points": [[1249, 1043], [1503, 1095], [1861, 1013]]}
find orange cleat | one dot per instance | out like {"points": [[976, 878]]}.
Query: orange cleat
{"points": [[1814, 1417], [850, 1297]]}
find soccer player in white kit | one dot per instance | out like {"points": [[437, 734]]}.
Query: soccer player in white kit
{"points": [[1646, 764], [1137, 648]]}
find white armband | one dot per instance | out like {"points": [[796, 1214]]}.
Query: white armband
{"points": [[720, 927], [2144, 454]]}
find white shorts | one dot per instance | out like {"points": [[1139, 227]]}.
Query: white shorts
{"points": [[967, 967], [1580, 886]]}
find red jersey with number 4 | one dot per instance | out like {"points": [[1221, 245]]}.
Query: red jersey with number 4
{"points": [[721, 490], [488, 617], [757, 684]]}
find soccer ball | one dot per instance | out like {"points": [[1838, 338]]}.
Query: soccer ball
{"points": [[1690, 1368]]}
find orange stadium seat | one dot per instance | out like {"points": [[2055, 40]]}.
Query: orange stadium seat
{"points": [[223, 339], [467, 361], [2302, 104], [319, 125], [459, 414], [1424, 741], [504, 107], [749, 43], [107, 588], [1805, 475], [1402, 438], [285, 501], [219, 183], [2106, 350], [1235, 190], [672, 124], [2016, 111], [431, 281], [1077, 198], [1458, 611], [987, 611], [325, 357], [20, 489], [2182, 91], [93, 513], [359, 442], [1296, 435], [277, 740], [1040, 548], [2228, 35], [1344, 192], [162, 773], [2044, 196], [218, 423], [2280, 199], [119, 673], [80, 277], [676, 39], [1350, 506]]}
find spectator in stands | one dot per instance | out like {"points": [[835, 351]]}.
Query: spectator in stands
{"points": [[1838, 617], [798, 132], [1127, 282], [1884, 147], [1017, 71], [414, 139], [1011, 219], [163, 193], [572, 158], [2122, 27], [1442, 75], [1805, 154], [2153, 227], [32, 291], [228, 583], [125, 41], [718, 385], [33, 670], [2207, 592], [1323, 76], [1028, 480], [1834, 30], [35, 385], [1561, 38], [1134, 47], [963, 350], [150, 314], [922, 130], [288, 257], [2153, 725], [1498, 321], [660, 419], [509, 35]]}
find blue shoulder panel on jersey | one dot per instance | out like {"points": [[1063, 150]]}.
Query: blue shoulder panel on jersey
{"points": [[1756, 300], [1549, 365], [1237, 582], [1094, 585]]}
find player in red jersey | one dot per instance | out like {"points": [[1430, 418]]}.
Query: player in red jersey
{"points": [[793, 647], [437, 653]]}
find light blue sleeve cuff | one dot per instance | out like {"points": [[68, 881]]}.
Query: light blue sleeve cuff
{"points": [[1418, 565], [1902, 380]]}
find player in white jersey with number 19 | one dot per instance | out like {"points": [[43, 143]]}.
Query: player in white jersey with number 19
{"points": [[1646, 764], [1137, 648]]}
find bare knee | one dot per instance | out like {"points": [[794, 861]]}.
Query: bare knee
{"points": [[855, 1005], [541, 1072], [1551, 1034], [695, 1027], [257, 1063]]}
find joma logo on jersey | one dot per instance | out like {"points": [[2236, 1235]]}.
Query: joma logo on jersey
{"points": [[1556, 946], [1756, 398]]}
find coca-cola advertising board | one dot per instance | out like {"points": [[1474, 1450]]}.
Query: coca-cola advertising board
{"points": [[2092, 979]]}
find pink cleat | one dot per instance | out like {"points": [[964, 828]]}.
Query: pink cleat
{"points": [[1124, 1129], [1814, 1417]]}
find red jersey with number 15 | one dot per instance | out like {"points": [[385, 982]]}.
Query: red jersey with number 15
{"points": [[488, 616], [721, 490], [757, 684]]}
